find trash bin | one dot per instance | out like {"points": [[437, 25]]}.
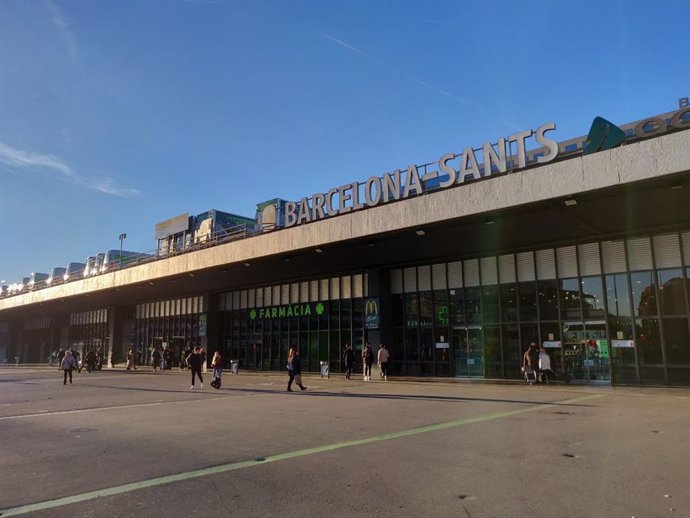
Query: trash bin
{"points": [[324, 370], [234, 367]]}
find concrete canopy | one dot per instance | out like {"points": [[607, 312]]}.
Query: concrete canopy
{"points": [[636, 188]]}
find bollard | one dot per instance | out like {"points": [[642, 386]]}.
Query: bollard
{"points": [[324, 370]]}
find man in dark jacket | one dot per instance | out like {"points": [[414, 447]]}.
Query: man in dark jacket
{"points": [[194, 362], [348, 360]]}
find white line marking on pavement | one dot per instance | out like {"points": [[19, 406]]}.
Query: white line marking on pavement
{"points": [[225, 468]]}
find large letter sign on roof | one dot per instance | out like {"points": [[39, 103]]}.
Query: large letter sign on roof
{"points": [[603, 135]]}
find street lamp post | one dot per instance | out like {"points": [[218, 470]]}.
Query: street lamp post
{"points": [[123, 236]]}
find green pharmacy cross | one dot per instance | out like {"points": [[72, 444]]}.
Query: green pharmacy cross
{"points": [[443, 315]]}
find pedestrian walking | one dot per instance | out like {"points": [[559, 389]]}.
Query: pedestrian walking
{"points": [[217, 366], [382, 358], [155, 359], [68, 364], [348, 360], [530, 363], [294, 367], [130, 359], [167, 358], [61, 356], [183, 358], [194, 362], [367, 359]]}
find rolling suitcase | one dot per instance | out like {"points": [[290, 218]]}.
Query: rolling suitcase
{"points": [[216, 383], [530, 377]]}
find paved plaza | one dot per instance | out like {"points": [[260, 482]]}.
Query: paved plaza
{"points": [[118, 443]]}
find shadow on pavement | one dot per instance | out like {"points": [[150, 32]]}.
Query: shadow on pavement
{"points": [[407, 397]]}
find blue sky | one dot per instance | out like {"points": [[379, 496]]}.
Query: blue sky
{"points": [[115, 115]]}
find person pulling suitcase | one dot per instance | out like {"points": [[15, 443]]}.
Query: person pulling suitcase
{"points": [[217, 366]]}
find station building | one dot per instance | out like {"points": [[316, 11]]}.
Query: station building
{"points": [[582, 246]]}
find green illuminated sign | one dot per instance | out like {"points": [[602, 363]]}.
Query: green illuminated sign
{"points": [[290, 310], [443, 315]]}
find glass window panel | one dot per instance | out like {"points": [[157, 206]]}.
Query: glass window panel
{"points": [[525, 266], [335, 288], [424, 278], [623, 358], [455, 274], [511, 350], [639, 254], [410, 279], [457, 307], [567, 261], [398, 310], [618, 295], [489, 270], [548, 299], [285, 294], [438, 274], [426, 345], [426, 317], [506, 269], [411, 310], [667, 251], [644, 294], [396, 281], [509, 302], [528, 301], [570, 300], [357, 285], [473, 307], [677, 341], [313, 291], [471, 268], [593, 297], [323, 289], [648, 340], [492, 352], [546, 264], [671, 292], [346, 287], [489, 304], [613, 256], [588, 256], [441, 310]]}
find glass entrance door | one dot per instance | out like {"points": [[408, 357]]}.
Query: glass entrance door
{"points": [[468, 352], [586, 351]]}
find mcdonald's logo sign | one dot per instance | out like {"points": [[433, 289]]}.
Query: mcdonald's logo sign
{"points": [[371, 313]]}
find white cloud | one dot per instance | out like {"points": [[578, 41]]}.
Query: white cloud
{"points": [[60, 22], [20, 160], [413, 78]]}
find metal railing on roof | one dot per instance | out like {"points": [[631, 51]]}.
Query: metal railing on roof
{"points": [[199, 242]]}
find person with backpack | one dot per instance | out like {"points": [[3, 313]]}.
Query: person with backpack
{"points": [[383, 357], [68, 364], [294, 367], [155, 359], [367, 359]]}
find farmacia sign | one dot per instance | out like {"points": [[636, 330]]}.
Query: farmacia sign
{"points": [[493, 159]]}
